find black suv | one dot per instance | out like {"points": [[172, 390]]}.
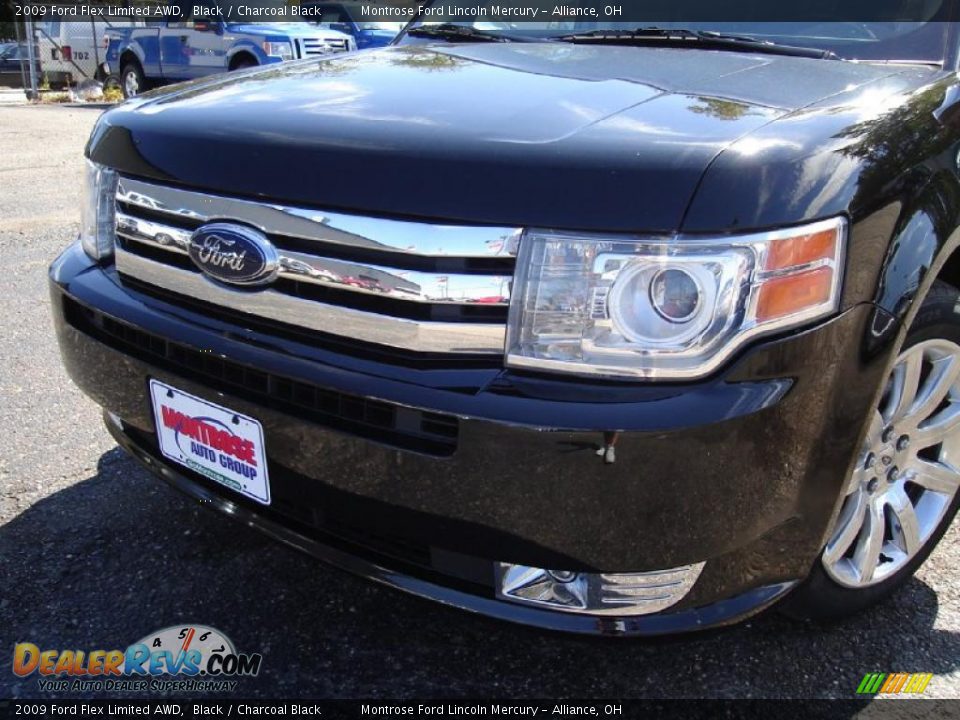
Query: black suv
{"points": [[606, 327]]}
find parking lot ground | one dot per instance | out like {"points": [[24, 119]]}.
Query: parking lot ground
{"points": [[95, 553], [12, 96]]}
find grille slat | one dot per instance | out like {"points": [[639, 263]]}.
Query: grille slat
{"points": [[401, 285]]}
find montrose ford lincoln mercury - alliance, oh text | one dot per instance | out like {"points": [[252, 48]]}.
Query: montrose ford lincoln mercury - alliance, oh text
{"points": [[612, 329]]}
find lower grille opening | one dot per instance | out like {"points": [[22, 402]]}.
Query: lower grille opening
{"points": [[401, 427]]}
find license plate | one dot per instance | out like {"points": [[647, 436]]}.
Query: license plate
{"points": [[212, 440]]}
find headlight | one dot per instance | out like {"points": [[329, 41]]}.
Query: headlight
{"points": [[98, 217], [670, 309], [283, 50]]}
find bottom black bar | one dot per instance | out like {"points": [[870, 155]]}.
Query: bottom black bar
{"points": [[178, 707]]}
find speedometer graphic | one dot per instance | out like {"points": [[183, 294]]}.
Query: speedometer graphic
{"points": [[182, 646]]}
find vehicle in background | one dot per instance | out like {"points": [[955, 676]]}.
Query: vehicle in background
{"points": [[74, 50], [173, 50], [12, 56], [347, 17]]}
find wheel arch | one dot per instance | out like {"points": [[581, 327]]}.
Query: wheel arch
{"points": [[240, 55], [127, 56]]}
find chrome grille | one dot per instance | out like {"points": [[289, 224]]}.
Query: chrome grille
{"points": [[313, 47], [416, 286]]}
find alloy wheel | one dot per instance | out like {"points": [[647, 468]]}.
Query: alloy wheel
{"points": [[908, 471]]}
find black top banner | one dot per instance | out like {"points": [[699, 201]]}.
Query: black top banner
{"points": [[545, 12]]}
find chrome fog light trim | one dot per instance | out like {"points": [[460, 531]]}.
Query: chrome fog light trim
{"points": [[617, 594]]}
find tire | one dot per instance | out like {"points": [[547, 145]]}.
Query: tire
{"points": [[243, 64], [821, 597], [132, 80]]}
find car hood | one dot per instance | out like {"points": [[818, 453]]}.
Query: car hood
{"points": [[544, 134]]}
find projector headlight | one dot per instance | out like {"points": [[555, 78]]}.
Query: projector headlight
{"points": [[671, 308], [98, 216]]}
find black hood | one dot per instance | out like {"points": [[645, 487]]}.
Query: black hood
{"points": [[542, 134]]}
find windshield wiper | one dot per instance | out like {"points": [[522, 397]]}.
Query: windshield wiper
{"points": [[459, 33], [702, 38]]}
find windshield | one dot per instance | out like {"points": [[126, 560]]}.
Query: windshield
{"points": [[915, 41]]}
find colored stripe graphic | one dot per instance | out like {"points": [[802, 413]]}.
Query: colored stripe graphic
{"points": [[918, 682], [894, 682], [870, 683], [873, 683]]}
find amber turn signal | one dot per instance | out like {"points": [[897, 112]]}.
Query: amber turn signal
{"points": [[801, 250], [791, 294], [800, 274]]}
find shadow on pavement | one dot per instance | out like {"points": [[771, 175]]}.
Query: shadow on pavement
{"points": [[111, 558]]}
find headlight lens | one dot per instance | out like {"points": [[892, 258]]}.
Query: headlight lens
{"points": [[283, 50], [98, 216], [672, 308]]}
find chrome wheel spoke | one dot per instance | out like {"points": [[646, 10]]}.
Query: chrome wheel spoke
{"points": [[906, 529], [935, 476], [849, 525], [867, 555], [903, 387], [935, 429], [943, 376]]}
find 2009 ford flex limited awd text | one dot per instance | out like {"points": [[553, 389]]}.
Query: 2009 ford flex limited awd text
{"points": [[599, 328]]}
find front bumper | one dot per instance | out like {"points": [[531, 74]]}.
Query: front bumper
{"points": [[743, 471], [715, 614]]}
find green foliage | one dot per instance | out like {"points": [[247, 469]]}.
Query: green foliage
{"points": [[112, 94]]}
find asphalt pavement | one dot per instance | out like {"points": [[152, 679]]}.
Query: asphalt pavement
{"points": [[95, 553]]}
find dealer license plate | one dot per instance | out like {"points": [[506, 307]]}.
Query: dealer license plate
{"points": [[212, 440]]}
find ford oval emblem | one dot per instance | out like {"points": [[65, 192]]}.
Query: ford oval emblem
{"points": [[234, 254]]}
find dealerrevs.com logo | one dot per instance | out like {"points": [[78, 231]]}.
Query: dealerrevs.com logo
{"points": [[183, 657]]}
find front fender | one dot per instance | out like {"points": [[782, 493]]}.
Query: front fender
{"points": [[248, 47], [925, 238]]}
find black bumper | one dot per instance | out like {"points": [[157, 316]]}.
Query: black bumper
{"points": [[424, 477]]}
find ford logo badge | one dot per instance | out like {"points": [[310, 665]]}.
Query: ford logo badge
{"points": [[234, 254]]}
